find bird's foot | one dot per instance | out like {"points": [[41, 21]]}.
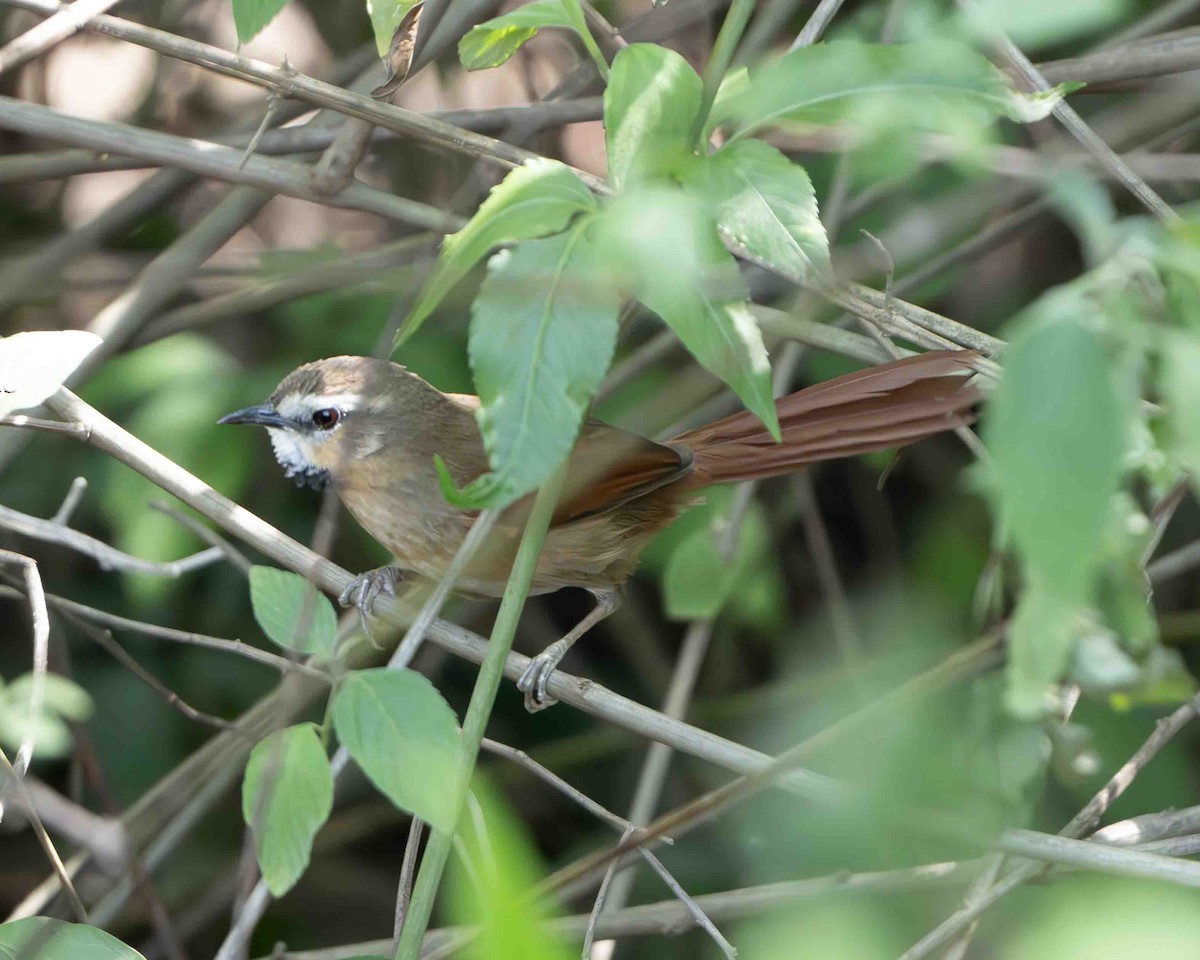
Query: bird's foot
{"points": [[365, 588], [533, 681]]}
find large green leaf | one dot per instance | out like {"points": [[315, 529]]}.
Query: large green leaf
{"points": [[650, 107], [492, 42], [292, 612], [930, 84], [250, 16], [534, 200], [662, 245], [766, 204], [287, 795], [543, 330], [404, 736], [43, 938], [1057, 428]]}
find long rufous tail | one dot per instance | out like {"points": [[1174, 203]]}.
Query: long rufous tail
{"points": [[891, 405]]}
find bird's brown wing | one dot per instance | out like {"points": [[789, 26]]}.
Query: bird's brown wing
{"points": [[610, 467]]}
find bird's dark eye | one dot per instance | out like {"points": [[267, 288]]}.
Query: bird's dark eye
{"points": [[326, 418]]}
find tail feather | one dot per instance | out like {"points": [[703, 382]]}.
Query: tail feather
{"points": [[891, 405]]}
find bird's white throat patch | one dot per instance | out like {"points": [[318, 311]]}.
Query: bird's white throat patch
{"points": [[295, 460]]}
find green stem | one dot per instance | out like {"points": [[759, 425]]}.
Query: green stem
{"points": [[575, 14], [437, 851], [722, 56]]}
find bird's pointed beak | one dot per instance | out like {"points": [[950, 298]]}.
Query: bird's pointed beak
{"points": [[264, 415]]}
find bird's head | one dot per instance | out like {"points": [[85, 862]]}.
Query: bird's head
{"points": [[327, 415]]}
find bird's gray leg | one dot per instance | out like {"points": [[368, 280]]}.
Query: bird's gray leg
{"points": [[364, 588], [533, 680]]}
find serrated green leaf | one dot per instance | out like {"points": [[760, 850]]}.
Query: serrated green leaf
{"points": [[385, 18], [250, 16], [1041, 638], [661, 244], [292, 612], [650, 107], [543, 330], [936, 84], [287, 795], [765, 204], [404, 736], [698, 581], [43, 938], [1056, 428], [492, 42], [534, 200]]}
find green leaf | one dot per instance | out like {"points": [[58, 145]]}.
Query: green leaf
{"points": [[250, 16], [936, 83], [698, 581], [765, 204], [404, 736], [661, 243], [1032, 24], [49, 733], [650, 107], [60, 695], [494, 41], [1040, 640], [385, 18], [498, 893], [1165, 679], [543, 330], [1100, 665], [534, 200], [292, 612], [42, 938], [1056, 428], [1180, 385], [287, 795], [1123, 599]]}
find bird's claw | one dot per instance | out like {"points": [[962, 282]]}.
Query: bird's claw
{"points": [[533, 681], [364, 589]]}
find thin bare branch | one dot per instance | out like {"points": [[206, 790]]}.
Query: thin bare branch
{"points": [[39, 618], [1074, 123], [109, 558], [213, 160], [37, 40], [1099, 856]]}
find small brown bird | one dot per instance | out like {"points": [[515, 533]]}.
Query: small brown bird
{"points": [[373, 429]]}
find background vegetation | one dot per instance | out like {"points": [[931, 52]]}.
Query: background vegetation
{"points": [[953, 655]]}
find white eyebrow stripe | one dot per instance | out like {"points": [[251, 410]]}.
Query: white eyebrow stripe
{"points": [[301, 407]]}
